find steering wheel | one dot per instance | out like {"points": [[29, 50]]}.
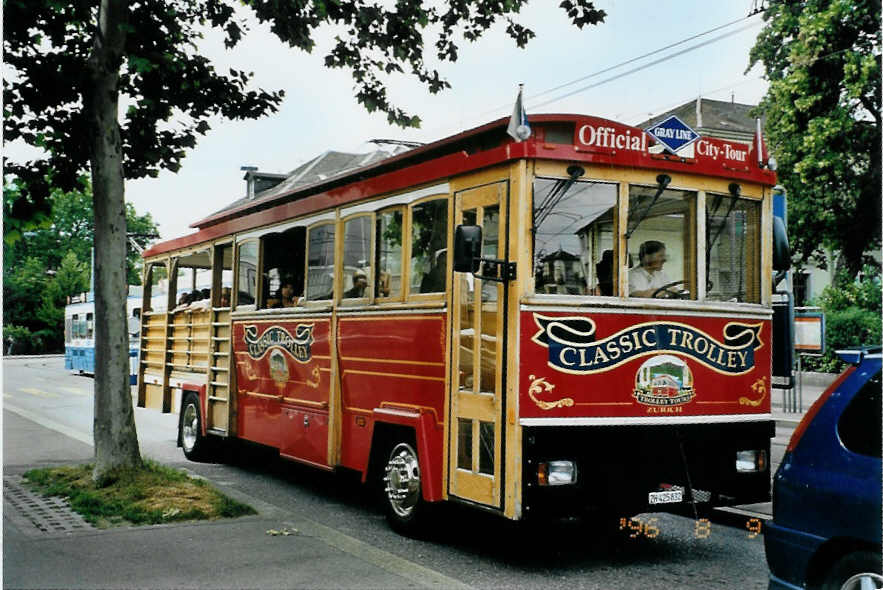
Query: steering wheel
{"points": [[664, 293]]}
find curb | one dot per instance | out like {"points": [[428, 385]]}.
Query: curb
{"points": [[16, 357]]}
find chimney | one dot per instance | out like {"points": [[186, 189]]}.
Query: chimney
{"points": [[249, 180]]}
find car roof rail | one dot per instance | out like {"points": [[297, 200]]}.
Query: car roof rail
{"points": [[855, 355]]}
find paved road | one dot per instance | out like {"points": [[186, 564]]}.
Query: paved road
{"points": [[341, 538]]}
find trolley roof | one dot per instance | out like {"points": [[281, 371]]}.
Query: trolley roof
{"points": [[566, 137]]}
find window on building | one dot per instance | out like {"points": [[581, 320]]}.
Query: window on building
{"points": [[661, 243], [732, 245], [320, 262], [357, 257], [429, 246], [90, 327], [802, 288], [388, 280], [247, 288], [573, 238], [283, 268]]}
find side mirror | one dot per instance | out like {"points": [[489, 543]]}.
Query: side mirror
{"points": [[781, 250], [467, 248]]}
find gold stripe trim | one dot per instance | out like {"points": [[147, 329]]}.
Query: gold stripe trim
{"points": [[422, 377], [305, 402], [263, 395], [397, 361], [603, 403], [388, 318]]}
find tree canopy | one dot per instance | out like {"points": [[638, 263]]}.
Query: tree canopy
{"points": [[70, 63], [172, 91], [822, 59]]}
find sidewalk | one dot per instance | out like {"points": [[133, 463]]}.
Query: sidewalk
{"points": [[41, 549]]}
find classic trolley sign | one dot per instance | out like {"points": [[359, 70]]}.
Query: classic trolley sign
{"points": [[575, 323]]}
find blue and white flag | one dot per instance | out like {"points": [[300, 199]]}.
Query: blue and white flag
{"points": [[518, 127]]}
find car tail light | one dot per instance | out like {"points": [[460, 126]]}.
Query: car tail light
{"points": [[814, 409]]}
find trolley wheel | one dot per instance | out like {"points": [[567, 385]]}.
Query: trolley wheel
{"points": [[859, 562], [195, 445], [406, 510]]}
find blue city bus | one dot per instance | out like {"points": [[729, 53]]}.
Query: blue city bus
{"points": [[79, 333]]}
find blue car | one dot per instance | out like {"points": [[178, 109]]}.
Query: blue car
{"points": [[826, 524]]}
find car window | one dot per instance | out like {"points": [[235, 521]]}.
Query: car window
{"points": [[859, 425]]}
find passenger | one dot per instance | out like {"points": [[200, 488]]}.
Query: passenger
{"points": [[225, 297], [360, 283], [434, 280], [648, 277], [287, 295]]}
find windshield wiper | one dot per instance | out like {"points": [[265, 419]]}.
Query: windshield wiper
{"points": [[663, 180], [555, 195]]}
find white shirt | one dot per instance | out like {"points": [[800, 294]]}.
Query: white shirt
{"points": [[640, 279]]}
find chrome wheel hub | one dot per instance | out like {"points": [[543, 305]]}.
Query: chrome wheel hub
{"points": [[189, 427], [402, 480]]}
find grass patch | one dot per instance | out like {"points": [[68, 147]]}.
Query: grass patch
{"points": [[154, 494]]}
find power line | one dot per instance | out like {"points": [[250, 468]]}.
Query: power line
{"points": [[629, 61], [643, 67]]}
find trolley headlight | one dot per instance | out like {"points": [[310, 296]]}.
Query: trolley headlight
{"points": [[556, 473], [751, 461]]}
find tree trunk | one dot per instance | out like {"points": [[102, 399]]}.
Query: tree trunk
{"points": [[116, 441]]}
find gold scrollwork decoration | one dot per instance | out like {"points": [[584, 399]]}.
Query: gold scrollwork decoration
{"points": [[758, 387], [315, 383], [540, 385]]}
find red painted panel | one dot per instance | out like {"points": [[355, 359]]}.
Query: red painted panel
{"points": [[304, 435], [390, 362], [616, 365], [281, 362]]}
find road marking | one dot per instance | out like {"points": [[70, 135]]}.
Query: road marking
{"points": [[37, 392], [75, 391], [51, 424], [741, 512]]}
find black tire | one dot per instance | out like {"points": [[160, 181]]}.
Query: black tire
{"points": [[849, 565], [195, 445], [402, 490]]}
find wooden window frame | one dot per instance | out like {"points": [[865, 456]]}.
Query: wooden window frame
{"points": [[339, 262], [439, 296]]}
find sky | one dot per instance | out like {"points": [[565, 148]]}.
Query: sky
{"points": [[319, 112]]}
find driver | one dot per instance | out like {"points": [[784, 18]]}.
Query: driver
{"points": [[646, 279]]}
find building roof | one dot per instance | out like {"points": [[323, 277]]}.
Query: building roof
{"points": [[715, 118]]}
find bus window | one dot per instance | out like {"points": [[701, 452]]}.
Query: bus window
{"points": [[388, 281], [320, 262], [90, 325], [248, 268], [661, 243], [356, 257], [283, 268], [573, 241], [429, 246], [732, 246]]}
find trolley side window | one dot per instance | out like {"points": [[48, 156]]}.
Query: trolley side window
{"points": [[661, 243], [320, 262], [247, 276], [223, 283], [429, 246], [156, 287], [388, 279], [574, 246], [283, 268], [357, 258], [193, 279], [732, 249]]}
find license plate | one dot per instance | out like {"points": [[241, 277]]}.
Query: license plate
{"points": [[670, 497]]}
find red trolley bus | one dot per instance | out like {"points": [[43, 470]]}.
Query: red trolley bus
{"points": [[598, 339]]}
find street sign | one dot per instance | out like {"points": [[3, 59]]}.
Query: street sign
{"points": [[809, 331], [673, 133]]}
